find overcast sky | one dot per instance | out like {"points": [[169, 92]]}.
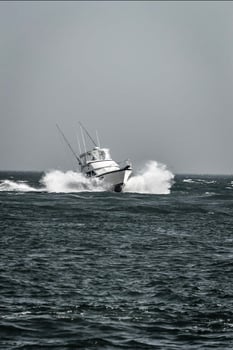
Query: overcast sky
{"points": [[155, 79]]}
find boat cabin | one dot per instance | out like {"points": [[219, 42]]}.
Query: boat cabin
{"points": [[95, 155]]}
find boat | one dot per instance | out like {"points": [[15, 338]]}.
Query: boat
{"points": [[97, 163]]}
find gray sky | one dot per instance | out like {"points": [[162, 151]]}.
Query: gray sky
{"points": [[155, 79]]}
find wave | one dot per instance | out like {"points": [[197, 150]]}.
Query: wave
{"points": [[70, 181], [17, 186], [153, 178], [189, 180], [200, 181]]}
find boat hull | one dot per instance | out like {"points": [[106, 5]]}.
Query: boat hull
{"points": [[116, 180]]}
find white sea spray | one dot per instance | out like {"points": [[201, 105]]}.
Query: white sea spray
{"points": [[69, 181], [17, 186], [153, 178]]}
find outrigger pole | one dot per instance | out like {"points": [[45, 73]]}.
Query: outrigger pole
{"points": [[97, 138], [69, 145], [88, 134]]}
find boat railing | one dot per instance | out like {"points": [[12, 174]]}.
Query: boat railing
{"points": [[125, 163]]}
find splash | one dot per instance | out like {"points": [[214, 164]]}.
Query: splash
{"points": [[70, 181], [55, 181], [154, 178], [16, 186]]}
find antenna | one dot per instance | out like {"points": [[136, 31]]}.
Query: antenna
{"points": [[79, 146], [83, 138], [97, 138], [69, 145], [82, 127]]}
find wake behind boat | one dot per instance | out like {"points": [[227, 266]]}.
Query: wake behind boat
{"points": [[97, 163]]}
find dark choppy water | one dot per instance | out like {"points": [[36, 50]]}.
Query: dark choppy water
{"points": [[97, 270]]}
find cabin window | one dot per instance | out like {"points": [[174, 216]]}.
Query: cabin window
{"points": [[91, 173], [102, 155], [95, 155], [107, 154]]}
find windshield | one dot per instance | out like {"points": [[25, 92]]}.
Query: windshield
{"points": [[96, 154]]}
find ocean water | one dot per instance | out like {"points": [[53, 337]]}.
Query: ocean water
{"points": [[82, 268]]}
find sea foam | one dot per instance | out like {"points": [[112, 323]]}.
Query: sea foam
{"points": [[69, 181], [16, 186]]}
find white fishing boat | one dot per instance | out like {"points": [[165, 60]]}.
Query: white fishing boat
{"points": [[96, 163]]}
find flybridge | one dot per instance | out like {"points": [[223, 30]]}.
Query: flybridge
{"points": [[97, 154], [97, 162]]}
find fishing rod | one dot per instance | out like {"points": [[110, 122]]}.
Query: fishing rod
{"points": [[69, 145], [88, 134]]}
